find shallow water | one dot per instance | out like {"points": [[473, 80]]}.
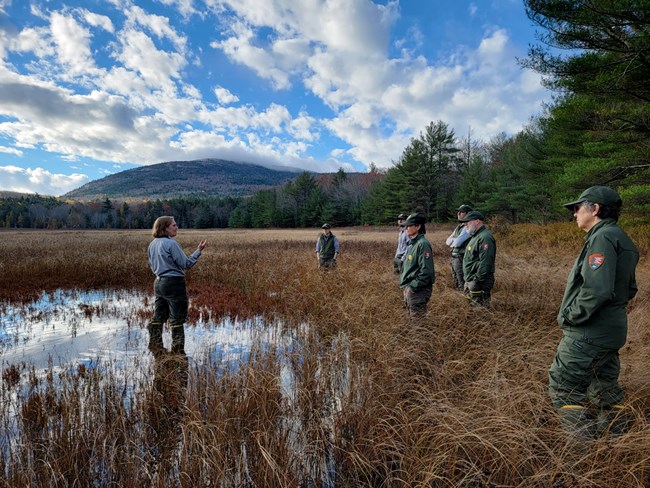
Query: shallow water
{"points": [[106, 330], [85, 327]]}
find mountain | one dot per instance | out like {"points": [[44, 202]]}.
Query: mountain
{"points": [[215, 177], [14, 194]]}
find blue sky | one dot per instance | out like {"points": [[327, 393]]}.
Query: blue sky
{"points": [[93, 87]]}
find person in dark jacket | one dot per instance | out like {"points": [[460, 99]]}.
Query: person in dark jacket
{"points": [[479, 260], [168, 262], [327, 248], [593, 319], [418, 275], [457, 241]]}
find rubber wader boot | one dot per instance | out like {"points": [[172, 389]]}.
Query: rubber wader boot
{"points": [[614, 420], [178, 338], [155, 338], [577, 421]]}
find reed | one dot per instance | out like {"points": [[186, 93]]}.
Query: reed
{"points": [[363, 398]]}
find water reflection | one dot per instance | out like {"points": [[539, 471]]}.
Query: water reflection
{"points": [[165, 406], [106, 326], [74, 332]]}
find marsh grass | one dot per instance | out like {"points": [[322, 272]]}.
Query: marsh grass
{"points": [[362, 398]]}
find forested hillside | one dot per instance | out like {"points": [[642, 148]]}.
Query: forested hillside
{"points": [[211, 177]]}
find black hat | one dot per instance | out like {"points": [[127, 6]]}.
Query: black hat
{"points": [[326, 226], [603, 195], [464, 208], [401, 216], [473, 215], [415, 219]]}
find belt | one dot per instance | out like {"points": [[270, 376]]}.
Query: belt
{"points": [[170, 278], [456, 255]]}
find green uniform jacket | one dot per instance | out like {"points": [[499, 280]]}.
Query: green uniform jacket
{"points": [[602, 281], [480, 255], [417, 271]]}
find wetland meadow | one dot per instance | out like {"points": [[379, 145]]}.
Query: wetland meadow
{"points": [[294, 377]]}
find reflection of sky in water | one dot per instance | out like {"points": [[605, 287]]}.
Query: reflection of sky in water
{"points": [[86, 326], [106, 329]]}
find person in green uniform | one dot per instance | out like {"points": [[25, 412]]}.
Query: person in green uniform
{"points": [[457, 241], [479, 260], [327, 248], [583, 378], [418, 275]]}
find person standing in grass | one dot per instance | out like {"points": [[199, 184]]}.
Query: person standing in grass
{"points": [[327, 248], [457, 241], [418, 274], [402, 243], [593, 319], [479, 260], [168, 262]]}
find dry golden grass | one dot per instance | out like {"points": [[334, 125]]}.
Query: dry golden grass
{"points": [[459, 400]]}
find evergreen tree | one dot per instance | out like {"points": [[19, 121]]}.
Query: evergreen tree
{"points": [[605, 76]]}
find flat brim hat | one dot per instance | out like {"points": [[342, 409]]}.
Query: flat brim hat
{"points": [[402, 217], [464, 208], [473, 215], [603, 195], [326, 226], [415, 219]]}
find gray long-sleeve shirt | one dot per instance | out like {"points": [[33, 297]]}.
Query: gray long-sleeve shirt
{"points": [[167, 259]]}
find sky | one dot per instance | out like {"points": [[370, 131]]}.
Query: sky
{"points": [[89, 88]]}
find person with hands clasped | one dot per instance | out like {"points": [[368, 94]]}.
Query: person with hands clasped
{"points": [[402, 244], [583, 379], [457, 241], [168, 262], [479, 260], [418, 274], [327, 248]]}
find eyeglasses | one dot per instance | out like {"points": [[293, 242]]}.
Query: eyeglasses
{"points": [[577, 207]]}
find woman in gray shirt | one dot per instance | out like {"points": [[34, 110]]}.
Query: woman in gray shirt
{"points": [[168, 262]]}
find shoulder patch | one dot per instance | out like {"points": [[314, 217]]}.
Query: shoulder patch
{"points": [[427, 255], [596, 261], [484, 246]]}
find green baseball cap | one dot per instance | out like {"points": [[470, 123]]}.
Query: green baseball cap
{"points": [[464, 208], [603, 195], [473, 215], [414, 219]]}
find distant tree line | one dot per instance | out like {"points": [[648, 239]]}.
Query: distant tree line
{"points": [[597, 131], [39, 212]]}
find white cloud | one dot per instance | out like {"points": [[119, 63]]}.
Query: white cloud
{"points": [[185, 7], [10, 150], [158, 25], [73, 43], [39, 180], [240, 49], [224, 95], [3, 5], [96, 20], [156, 67]]}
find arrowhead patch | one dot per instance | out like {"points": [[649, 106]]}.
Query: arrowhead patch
{"points": [[596, 261]]}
